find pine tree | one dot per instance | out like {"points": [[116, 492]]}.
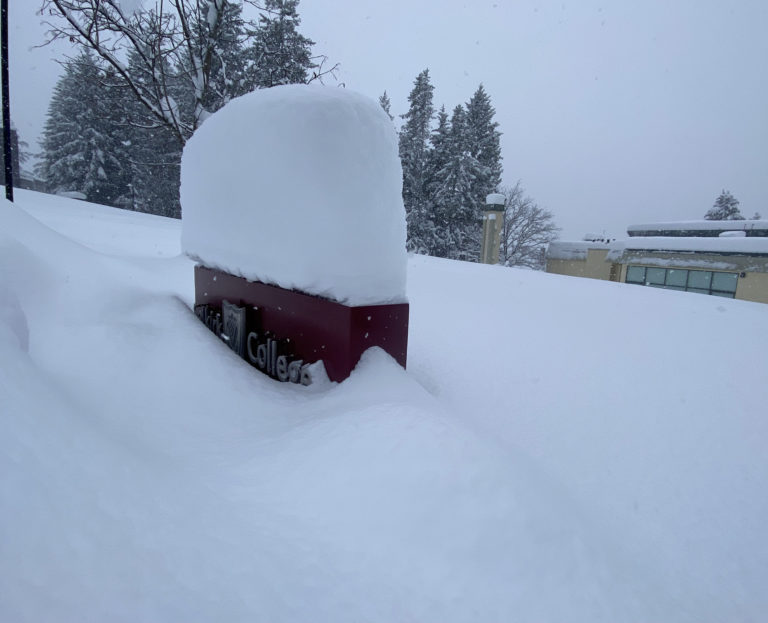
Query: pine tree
{"points": [[414, 140], [725, 208], [484, 146], [81, 152], [386, 105], [154, 150], [156, 169], [280, 55], [454, 193], [437, 233], [230, 70]]}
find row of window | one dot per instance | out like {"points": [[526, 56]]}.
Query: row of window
{"points": [[703, 281]]}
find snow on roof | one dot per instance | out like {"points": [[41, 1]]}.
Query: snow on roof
{"points": [[722, 253], [700, 225], [299, 186], [565, 250], [729, 245]]}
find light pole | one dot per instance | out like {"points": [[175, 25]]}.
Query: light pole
{"points": [[6, 102]]}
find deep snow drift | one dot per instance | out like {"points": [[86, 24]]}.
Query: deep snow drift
{"points": [[560, 449], [300, 186]]}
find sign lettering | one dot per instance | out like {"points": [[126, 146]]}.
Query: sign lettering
{"points": [[262, 350]]}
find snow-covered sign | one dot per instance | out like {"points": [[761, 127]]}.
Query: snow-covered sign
{"points": [[299, 188]]}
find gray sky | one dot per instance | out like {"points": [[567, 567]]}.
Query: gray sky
{"points": [[612, 113]]}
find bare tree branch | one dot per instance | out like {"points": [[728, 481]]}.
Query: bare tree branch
{"points": [[179, 36], [528, 229]]}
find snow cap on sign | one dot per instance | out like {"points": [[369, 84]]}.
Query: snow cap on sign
{"points": [[299, 186]]}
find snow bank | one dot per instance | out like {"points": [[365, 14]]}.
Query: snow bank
{"points": [[604, 462], [299, 186], [13, 321]]}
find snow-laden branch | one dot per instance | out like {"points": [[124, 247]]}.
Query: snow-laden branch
{"points": [[153, 49]]}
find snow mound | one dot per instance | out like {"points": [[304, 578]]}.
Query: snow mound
{"points": [[299, 186], [602, 463], [13, 321]]}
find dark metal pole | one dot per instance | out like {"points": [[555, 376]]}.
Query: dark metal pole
{"points": [[6, 102]]}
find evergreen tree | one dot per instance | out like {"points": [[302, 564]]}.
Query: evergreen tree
{"points": [[386, 105], [280, 55], [199, 39], [725, 208], [155, 158], [436, 228], [414, 141], [154, 150], [81, 152], [231, 73], [454, 194], [484, 143]]}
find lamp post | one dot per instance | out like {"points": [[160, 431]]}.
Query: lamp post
{"points": [[6, 101], [493, 222]]}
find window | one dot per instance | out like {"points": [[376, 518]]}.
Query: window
{"points": [[724, 284], [636, 274], [701, 281], [677, 278], [655, 277]]}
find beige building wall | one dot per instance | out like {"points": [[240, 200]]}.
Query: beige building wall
{"points": [[753, 287], [623, 276], [593, 267]]}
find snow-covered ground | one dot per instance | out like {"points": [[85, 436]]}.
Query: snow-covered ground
{"points": [[560, 449]]}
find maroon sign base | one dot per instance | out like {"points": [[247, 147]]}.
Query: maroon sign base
{"points": [[283, 326]]}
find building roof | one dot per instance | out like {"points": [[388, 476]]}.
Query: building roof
{"points": [[564, 250], [735, 254], [700, 228], [721, 245], [740, 254]]}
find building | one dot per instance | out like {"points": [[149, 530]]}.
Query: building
{"points": [[581, 259], [720, 258]]}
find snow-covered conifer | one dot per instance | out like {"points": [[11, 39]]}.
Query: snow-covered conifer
{"points": [[386, 104], [725, 208], [414, 143], [437, 218], [81, 148], [483, 138], [279, 53], [154, 150], [229, 65], [454, 193], [197, 40]]}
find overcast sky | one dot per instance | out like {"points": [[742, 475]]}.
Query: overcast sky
{"points": [[612, 113]]}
